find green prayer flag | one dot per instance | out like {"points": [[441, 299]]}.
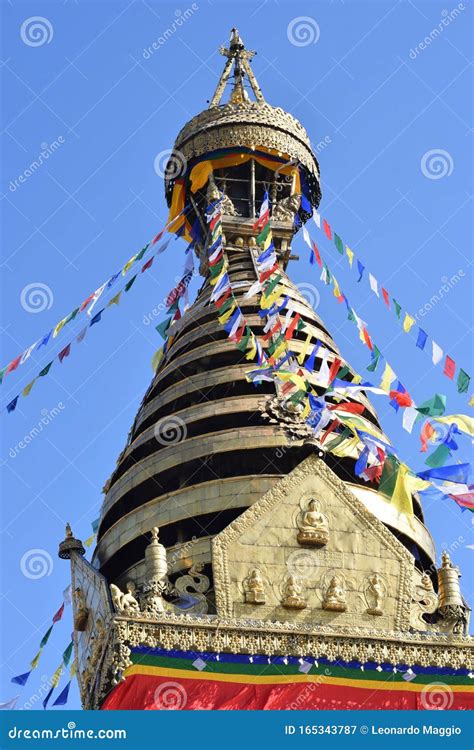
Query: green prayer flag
{"points": [[243, 343], [275, 344], [216, 270], [72, 315], [142, 252], [328, 274], [339, 439], [298, 396], [375, 360], [343, 372], [463, 381], [350, 316], [263, 234], [129, 284], [434, 407], [389, 476], [162, 328], [67, 654], [45, 370], [2, 373], [339, 244], [271, 286], [46, 637], [398, 308], [174, 307], [438, 457]]}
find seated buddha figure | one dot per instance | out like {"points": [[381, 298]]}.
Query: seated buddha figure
{"points": [[335, 597], [313, 527], [254, 588], [293, 594]]}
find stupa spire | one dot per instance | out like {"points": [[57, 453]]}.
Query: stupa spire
{"points": [[239, 58]]}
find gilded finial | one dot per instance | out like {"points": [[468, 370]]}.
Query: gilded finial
{"points": [[70, 544]]}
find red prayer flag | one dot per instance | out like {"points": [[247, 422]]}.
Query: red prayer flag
{"points": [[86, 302], [275, 328], [327, 230], [237, 336], [291, 327], [334, 370], [261, 221], [148, 264], [64, 353], [317, 255], [266, 274], [427, 432], [330, 429], [218, 303], [158, 237], [59, 613], [402, 399], [449, 367], [386, 297], [13, 365], [352, 408], [367, 339]]}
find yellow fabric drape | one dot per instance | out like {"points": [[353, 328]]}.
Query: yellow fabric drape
{"points": [[199, 174]]}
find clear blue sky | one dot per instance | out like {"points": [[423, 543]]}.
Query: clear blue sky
{"points": [[97, 199]]}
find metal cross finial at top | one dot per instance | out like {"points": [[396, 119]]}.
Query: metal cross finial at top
{"points": [[240, 58]]}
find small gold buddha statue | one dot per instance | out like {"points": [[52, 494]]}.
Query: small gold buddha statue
{"points": [[335, 597], [254, 588], [313, 527], [292, 594]]}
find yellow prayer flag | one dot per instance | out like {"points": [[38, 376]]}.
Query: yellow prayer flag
{"points": [[89, 541], [56, 676], [253, 349], [337, 291], [268, 241], [279, 350], [357, 379], [463, 422], [156, 359], [471, 400], [298, 380], [115, 300], [128, 265], [72, 671], [225, 316], [26, 391], [306, 409], [59, 326], [36, 659], [387, 378], [215, 281], [267, 302], [305, 349], [401, 498], [350, 255], [348, 448], [408, 322]]}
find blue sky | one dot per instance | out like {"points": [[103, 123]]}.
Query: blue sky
{"points": [[366, 92]]}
